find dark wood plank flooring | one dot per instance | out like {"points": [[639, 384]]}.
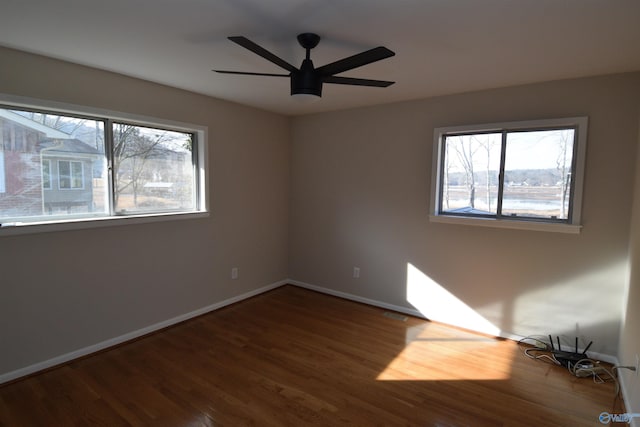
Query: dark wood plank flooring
{"points": [[293, 357]]}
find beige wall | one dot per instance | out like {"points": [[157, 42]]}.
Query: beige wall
{"points": [[311, 197], [63, 291], [360, 197], [630, 335]]}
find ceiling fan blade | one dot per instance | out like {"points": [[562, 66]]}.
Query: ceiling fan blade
{"points": [[245, 73], [355, 61], [356, 82], [258, 50]]}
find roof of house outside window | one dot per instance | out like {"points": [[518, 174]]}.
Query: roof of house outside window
{"points": [[68, 146], [24, 121]]}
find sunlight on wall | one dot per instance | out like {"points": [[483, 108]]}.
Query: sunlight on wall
{"points": [[436, 303], [431, 350]]}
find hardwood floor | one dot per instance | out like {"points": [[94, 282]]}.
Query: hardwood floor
{"points": [[293, 357]]}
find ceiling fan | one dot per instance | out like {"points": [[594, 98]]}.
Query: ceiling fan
{"points": [[308, 80]]}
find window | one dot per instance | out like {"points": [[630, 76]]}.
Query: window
{"points": [[96, 165], [46, 174], [154, 169], [70, 175], [2, 183], [517, 175]]}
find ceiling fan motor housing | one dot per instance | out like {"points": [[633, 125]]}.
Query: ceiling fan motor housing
{"points": [[306, 80]]}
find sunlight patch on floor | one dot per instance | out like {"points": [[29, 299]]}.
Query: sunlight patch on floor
{"points": [[430, 353], [431, 350]]}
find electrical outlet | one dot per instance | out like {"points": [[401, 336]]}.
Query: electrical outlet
{"points": [[234, 273], [356, 272]]}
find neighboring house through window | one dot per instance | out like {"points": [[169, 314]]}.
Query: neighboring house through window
{"points": [[57, 166]]}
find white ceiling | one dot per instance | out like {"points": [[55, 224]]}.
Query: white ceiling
{"points": [[442, 46]]}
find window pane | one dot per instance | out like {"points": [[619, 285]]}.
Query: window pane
{"points": [[538, 174], [77, 177], [64, 175], [153, 169], [2, 174], [45, 151], [470, 173], [46, 174]]}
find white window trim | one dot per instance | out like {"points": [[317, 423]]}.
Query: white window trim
{"points": [[52, 224], [573, 227], [3, 185], [43, 174]]}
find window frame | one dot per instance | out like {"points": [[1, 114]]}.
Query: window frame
{"points": [[111, 218], [571, 225], [48, 174], [3, 183]]}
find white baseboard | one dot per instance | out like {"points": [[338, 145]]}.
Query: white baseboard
{"points": [[413, 312], [635, 422], [376, 303], [357, 298], [28, 370]]}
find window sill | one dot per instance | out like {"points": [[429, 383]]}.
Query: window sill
{"points": [[505, 223], [13, 229]]}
